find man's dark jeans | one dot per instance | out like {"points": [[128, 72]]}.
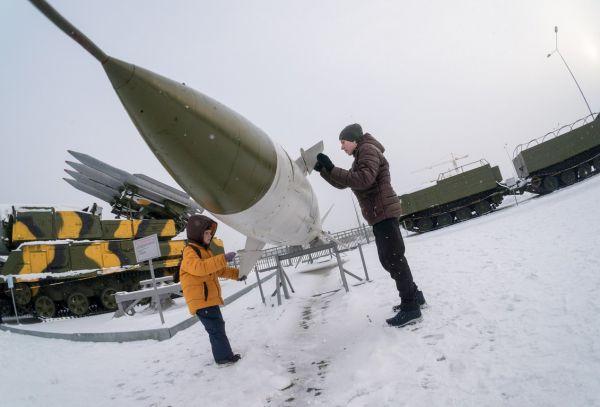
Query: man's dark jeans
{"points": [[390, 248]]}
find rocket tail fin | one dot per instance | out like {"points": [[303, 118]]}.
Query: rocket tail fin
{"points": [[250, 255], [308, 158]]}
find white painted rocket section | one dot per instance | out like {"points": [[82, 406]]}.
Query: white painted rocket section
{"points": [[287, 214]]}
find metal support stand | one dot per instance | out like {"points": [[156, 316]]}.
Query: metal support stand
{"points": [[11, 285], [366, 233], [362, 258], [262, 294], [282, 280], [343, 271], [156, 297]]}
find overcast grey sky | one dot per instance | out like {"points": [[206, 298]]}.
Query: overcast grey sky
{"points": [[426, 78]]}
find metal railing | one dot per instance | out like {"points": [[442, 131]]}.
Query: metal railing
{"points": [[461, 169], [346, 240]]}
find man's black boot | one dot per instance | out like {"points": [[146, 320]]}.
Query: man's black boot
{"points": [[420, 300], [405, 317], [229, 361]]}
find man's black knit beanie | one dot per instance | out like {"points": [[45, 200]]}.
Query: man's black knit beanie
{"points": [[352, 132]]}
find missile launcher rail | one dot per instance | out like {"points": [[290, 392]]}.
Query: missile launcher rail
{"points": [[132, 196]]}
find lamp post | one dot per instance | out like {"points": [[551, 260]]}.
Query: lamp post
{"points": [[358, 219], [569, 69]]}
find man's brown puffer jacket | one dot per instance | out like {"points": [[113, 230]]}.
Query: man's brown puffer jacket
{"points": [[369, 178]]}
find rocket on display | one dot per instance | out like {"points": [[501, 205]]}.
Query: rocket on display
{"points": [[225, 163]]}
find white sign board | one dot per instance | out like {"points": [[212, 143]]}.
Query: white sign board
{"points": [[146, 248]]}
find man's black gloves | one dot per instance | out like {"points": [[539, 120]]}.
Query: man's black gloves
{"points": [[325, 162], [318, 167]]}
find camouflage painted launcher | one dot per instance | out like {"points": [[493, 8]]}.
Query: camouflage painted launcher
{"points": [[108, 256], [71, 262], [133, 196], [39, 224]]}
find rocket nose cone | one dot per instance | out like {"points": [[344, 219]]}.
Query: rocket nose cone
{"points": [[119, 72], [220, 159]]}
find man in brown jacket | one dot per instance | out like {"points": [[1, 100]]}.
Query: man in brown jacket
{"points": [[369, 178], [199, 274]]}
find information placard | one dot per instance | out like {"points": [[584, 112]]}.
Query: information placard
{"points": [[146, 248]]}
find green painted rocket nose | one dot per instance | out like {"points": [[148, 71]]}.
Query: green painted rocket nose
{"points": [[119, 72], [217, 156]]}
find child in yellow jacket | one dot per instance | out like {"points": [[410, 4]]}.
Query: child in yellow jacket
{"points": [[199, 274]]}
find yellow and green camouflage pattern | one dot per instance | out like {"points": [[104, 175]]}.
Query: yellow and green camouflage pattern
{"points": [[59, 255], [46, 224], [73, 256]]}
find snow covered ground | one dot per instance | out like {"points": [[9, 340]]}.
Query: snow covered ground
{"points": [[512, 321]]}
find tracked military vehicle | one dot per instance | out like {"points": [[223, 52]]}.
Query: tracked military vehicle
{"points": [[457, 195], [543, 165], [561, 157], [73, 261]]}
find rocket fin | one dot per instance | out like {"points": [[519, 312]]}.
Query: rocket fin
{"points": [[250, 255], [308, 158]]}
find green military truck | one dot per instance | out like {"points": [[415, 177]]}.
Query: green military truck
{"points": [[561, 157], [73, 262], [457, 195]]}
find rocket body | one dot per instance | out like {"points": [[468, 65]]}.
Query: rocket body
{"points": [[223, 161]]}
